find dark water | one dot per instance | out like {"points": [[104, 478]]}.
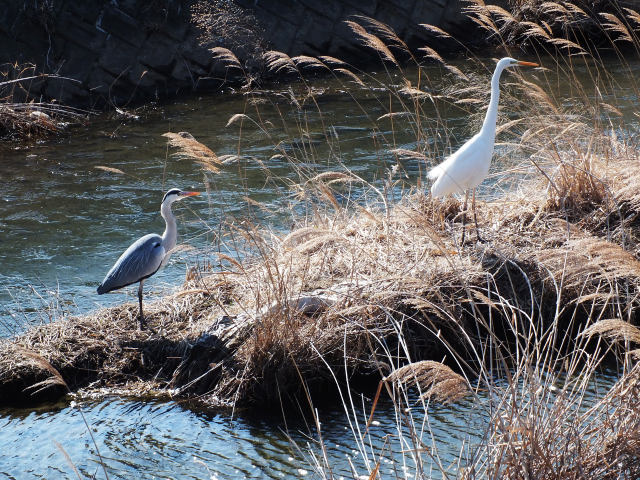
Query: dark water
{"points": [[63, 222]]}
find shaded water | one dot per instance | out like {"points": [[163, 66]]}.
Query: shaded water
{"points": [[64, 222]]}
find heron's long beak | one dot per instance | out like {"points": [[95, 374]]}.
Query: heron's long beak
{"points": [[189, 194], [528, 64]]}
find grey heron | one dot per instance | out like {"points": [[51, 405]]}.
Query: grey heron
{"points": [[147, 254]]}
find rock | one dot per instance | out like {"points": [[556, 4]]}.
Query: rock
{"points": [[122, 26], [117, 57], [159, 53], [80, 33]]}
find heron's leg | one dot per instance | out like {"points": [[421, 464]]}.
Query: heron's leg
{"points": [[141, 322], [475, 218], [464, 215]]}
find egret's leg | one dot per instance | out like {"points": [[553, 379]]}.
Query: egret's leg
{"points": [[464, 215], [475, 218], [141, 322]]}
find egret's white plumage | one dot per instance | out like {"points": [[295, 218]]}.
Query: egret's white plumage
{"points": [[465, 169]]}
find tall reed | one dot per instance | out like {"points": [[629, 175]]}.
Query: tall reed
{"points": [[529, 366]]}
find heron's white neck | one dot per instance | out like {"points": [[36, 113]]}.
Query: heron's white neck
{"points": [[489, 124], [170, 235]]}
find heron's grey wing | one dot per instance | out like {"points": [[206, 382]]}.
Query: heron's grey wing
{"points": [[141, 260]]}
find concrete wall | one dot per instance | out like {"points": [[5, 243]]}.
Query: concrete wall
{"points": [[126, 51]]}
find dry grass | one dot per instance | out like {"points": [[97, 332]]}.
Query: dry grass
{"points": [[614, 329], [233, 35], [22, 116], [379, 279], [574, 28], [189, 148], [434, 380], [542, 431]]}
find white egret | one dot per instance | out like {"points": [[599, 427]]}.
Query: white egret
{"points": [[147, 254], [465, 169]]}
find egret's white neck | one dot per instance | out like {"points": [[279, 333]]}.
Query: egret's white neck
{"points": [[170, 235], [489, 124]]}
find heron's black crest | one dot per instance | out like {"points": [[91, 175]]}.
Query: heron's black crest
{"points": [[173, 191]]}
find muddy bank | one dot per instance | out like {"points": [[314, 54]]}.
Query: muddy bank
{"points": [[350, 297]]}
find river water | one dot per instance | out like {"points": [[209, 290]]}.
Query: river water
{"points": [[65, 220]]}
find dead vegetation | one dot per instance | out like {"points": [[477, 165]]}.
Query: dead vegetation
{"points": [[579, 27], [227, 27], [21, 115], [372, 289], [189, 148], [545, 431], [353, 299]]}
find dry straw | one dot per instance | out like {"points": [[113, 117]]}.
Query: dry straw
{"points": [[388, 277], [373, 41], [24, 117], [614, 329], [189, 148], [434, 380]]}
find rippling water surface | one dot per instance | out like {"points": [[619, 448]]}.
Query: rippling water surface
{"points": [[167, 440], [64, 222]]}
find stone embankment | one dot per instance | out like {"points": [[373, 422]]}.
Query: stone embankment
{"points": [[123, 51]]}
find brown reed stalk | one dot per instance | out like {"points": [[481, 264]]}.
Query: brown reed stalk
{"points": [[190, 149], [434, 379]]}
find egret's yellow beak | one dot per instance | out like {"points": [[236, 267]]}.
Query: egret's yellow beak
{"points": [[528, 64], [189, 194]]}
